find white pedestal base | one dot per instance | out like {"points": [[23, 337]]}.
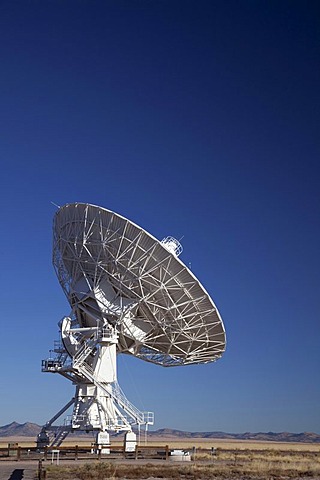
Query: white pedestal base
{"points": [[130, 442]]}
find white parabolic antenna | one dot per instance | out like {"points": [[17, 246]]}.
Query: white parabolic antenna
{"points": [[129, 293]]}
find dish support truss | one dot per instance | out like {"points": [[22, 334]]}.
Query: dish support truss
{"points": [[87, 357]]}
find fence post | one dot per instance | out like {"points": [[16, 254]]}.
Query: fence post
{"points": [[18, 453], [167, 452], [194, 451], [76, 453], [40, 470], [213, 453]]}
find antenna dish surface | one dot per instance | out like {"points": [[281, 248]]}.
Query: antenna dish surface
{"points": [[115, 273]]}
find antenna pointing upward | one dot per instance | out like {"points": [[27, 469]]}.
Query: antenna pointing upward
{"points": [[129, 293]]}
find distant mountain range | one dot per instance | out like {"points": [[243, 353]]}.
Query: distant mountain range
{"points": [[15, 429], [306, 437], [28, 429]]}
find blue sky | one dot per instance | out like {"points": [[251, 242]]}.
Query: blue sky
{"points": [[197, 119]]}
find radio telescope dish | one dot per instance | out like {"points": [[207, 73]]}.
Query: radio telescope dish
{"points": [[129, 293]]}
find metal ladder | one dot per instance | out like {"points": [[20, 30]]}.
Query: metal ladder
{"points": [[60, 434]]}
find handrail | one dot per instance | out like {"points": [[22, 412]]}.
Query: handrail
{"points": [[116, 393]]}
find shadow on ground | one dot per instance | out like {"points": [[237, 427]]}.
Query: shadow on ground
{"points": [[16, 474]]}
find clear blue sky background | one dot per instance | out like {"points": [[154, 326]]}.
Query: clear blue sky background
{"points": [[191, 118]]}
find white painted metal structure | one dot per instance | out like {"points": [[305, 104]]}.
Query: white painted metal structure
{"points": [[129, 293]]}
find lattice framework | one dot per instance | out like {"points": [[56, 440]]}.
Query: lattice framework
{"points": [[158, 297]]}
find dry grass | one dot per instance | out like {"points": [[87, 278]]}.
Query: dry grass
{"points": [[237, 444], [257, 469], [233, 464]]}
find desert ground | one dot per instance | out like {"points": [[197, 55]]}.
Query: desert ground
{"points": [[234, 460], [184, 443]]}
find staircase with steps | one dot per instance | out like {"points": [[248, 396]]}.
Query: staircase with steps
{"points": [[78, 369]]}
